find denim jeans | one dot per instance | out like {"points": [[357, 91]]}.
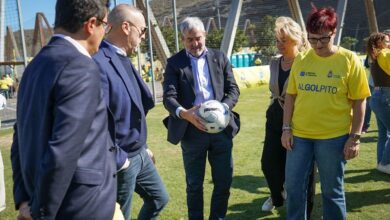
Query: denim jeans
{"points": [[142, 177], [380, 104], [329, 157], [196, 146]]}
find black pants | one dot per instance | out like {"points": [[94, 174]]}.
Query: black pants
{"points": [[273, 159]]}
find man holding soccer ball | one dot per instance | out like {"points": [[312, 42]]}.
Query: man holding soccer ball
{"points": [[193, 76]]}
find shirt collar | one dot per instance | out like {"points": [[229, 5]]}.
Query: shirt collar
{"points": [[204, 53], [117, 50], [78, 46]]}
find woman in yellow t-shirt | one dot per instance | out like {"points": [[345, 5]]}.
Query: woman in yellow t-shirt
{"points": [[379, 54], [325, 84], [4, 86]]}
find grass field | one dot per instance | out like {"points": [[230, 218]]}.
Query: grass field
{"points": [[367, 190]]}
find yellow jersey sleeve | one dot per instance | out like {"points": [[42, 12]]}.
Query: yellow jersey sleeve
{"points": [[357, 81], [384, 60], [291, 86]]}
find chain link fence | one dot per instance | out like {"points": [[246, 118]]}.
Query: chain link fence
{"points": [[11, 59], [254, 41]]}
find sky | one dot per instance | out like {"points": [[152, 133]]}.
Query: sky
{"points": [[30, 7]]}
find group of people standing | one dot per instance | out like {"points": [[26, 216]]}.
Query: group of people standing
{"points": [[82, 152], [83, 149], [316, 114]]}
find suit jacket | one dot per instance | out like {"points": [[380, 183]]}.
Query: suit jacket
{"points": [[63, 158], [179, 90], [130, 128]]}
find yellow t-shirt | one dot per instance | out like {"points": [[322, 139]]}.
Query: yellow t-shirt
{"points": [[4, 84], [384, 60], [324, 88]]}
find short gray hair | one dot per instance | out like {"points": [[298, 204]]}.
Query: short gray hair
{"points": [[191, 23]]}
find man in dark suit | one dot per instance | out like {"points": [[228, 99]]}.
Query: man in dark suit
{"points": [[193, 76], [129, 100], [63, 157]]}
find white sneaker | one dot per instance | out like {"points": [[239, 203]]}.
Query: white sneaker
{"points": [[284, 194], [267, 205], [384, 168]]}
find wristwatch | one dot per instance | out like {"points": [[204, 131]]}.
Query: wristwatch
{"points": [[355, 137]]}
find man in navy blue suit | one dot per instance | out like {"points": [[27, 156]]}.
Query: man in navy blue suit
{"points": [[129, 100], [193, 76], [63, 157]]}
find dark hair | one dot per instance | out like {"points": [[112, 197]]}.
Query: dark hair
{"points": [[71, 14], [375, 44], [320, 20]]}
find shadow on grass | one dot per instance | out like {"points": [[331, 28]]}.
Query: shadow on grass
{"points": [[357, 200], [251, 210], [249, 183], [372, 139], [367, 175]]}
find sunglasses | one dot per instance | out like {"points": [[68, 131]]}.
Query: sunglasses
{"points": [[105, 25], [141, 31]]}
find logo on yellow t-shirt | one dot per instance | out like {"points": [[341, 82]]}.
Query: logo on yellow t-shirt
{"points": [[317, 88], [303, 73], [332, 75]]}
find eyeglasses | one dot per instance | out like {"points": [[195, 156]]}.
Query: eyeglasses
{"points": [[105, 25], [141, 31], [323, 40]]}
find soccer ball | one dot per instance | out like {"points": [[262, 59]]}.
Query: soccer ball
{"points": [[215, 114]]}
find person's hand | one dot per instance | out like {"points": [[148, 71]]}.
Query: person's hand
{"points": [[151, 155], [287, 139], [191, 116], [351, 149], [24, 212]]}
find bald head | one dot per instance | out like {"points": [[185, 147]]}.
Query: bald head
{"points": [[127, 27], [124, 12]]}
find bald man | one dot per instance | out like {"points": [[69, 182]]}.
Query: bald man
{"points": [[129, 100]]}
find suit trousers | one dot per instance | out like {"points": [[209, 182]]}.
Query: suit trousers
{"points": [[141, 176], [196, 146], [273, 159]]}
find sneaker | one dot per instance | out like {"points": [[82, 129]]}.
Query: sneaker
{"points": [[284, 194], [384, 168], [267, 205]]}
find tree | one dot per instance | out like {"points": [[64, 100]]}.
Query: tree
{"points": [[349, 42], [214, 39], [265, 36], [169, 36]]}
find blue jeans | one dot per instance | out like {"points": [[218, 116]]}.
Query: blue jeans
{"points": [[380, 104], [196, 146], [142, 177], [329, 157]]}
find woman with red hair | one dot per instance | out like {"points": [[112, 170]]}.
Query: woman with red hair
{"points": [[323, 117]]}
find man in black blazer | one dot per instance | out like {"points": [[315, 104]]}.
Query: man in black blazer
{"points": [[129, 100], [63, 157], [193, 76]]}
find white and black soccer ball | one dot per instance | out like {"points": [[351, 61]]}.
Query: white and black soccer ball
{"points": [[215, 114]]}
